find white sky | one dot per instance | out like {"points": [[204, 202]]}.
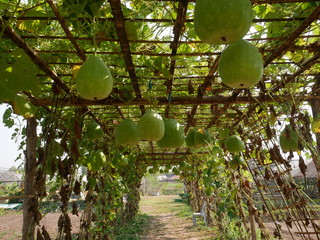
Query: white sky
{"points": [[9, 149]]}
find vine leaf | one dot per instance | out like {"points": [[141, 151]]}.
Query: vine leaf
{"points": [[21, 75], [23, 107], [303, 167]]}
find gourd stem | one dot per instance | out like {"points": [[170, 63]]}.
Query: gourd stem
{"points": [[94, 36]]}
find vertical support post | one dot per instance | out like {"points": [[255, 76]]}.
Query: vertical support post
{"points": [[29, 222], [252, 223], [315, 106]]}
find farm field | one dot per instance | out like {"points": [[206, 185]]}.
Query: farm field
{"points": [[164, 219]]}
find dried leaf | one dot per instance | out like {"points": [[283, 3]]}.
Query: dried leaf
{"points": [[279, 181], [277, 234], [264, 209], [303, 167], [77, 188], [67, 226], [267, 174], [287, 192], [190, 88], [45, 234], [77, 128], [39, 235], [289, 221], [214, 108], [36, 214], [60, 223], [276, 156], [75, 208], [269, 131], [307, 221]]}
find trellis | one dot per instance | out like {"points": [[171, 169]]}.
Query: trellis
{"points": [[192, 93]]}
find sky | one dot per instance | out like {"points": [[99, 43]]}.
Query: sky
{"points": [[9, 148]]}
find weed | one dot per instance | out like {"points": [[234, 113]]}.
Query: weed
{"points": [[132, 229]]}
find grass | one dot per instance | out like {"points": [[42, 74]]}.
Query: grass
{"points": [[133, 229], [164, 206], [158, 205], [2, 212]]}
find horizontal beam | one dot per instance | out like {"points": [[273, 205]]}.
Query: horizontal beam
{"points": [[176, 100], [148, 20]]}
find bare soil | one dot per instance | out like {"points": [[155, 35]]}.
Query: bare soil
{"points": [[11, 225]]}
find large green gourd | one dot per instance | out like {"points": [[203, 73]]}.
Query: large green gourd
{"points": [[151, 126], [222, 21], [173, 135], [241, 65], [190, 138], [289, 140], [93, 131], [201, 138], [127, 133], [94, 80], [234, 144]]}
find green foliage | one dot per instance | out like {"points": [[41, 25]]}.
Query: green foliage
{"points": [[132, 229], [17, 74]]}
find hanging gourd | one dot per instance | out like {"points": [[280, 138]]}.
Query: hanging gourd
{"points": [[234, 145], [240, 65], [94, 80], [151, 126], [93, 131], [126, 133], [201, 138], [222, 21], [190, 138], [173, 135]]}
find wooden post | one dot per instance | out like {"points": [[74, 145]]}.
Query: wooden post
{"points": [[28, 227], [252, 223], [315, 105]]}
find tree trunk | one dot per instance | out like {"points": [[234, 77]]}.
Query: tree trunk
{"points": [[29, 221]]}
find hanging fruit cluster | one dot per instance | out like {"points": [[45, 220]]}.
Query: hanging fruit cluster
{"points": [[227, 22]]}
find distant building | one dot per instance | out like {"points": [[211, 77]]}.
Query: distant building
{"points": [[311, 171], [8, 177], [171, 178]]}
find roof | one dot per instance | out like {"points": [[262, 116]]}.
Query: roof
{"points": [[9, 176]]}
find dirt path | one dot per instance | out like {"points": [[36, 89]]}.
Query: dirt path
{"points": [[166, 225]]}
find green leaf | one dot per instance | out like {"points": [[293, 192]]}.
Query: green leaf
{"points": [[23, 107], [5, 94], [21, 75], [7, 119]]}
